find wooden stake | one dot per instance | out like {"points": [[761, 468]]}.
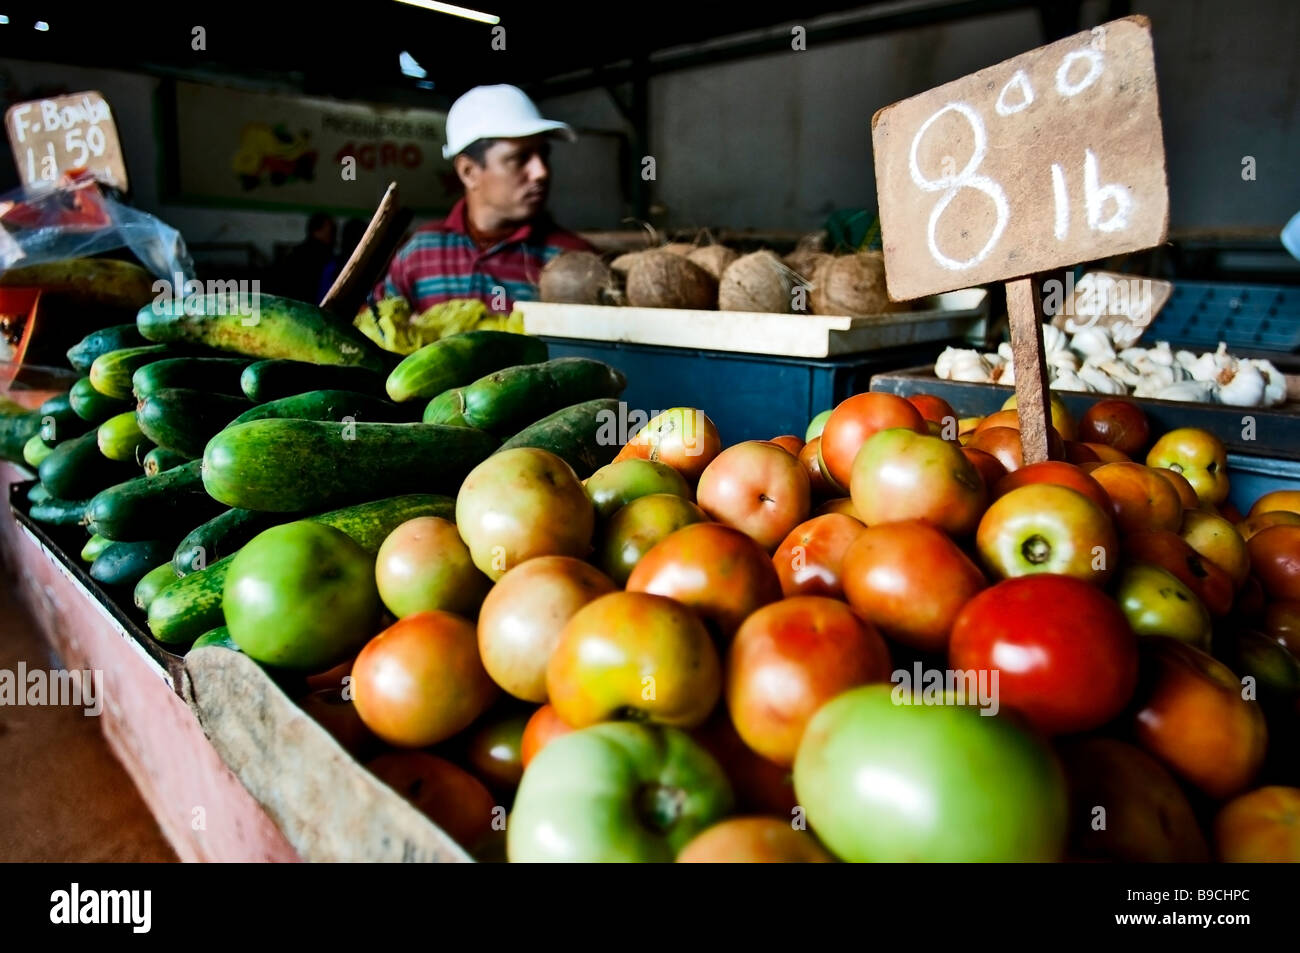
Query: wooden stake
{"points": [[355, 269], [1025, 314]]}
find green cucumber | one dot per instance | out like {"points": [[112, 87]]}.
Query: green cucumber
{"points": [[125, 564], [58, 512], [38, 494], [506, 400], [58, 404], [94, 546], [260, 325], [152, 583], [35, 450], [77, 470], [328, 405], [219, 537], [92, 406], [111, 373], [216, 638], [135, 510], [460, 359], [192, 605], [264, 381], [185, 420], [445, 409], [120, 438], [295, 465], [584, 435], [15, 431], [216, 375], [160, 459], [56, 428], [83, 354]]}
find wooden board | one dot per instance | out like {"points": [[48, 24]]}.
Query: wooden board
{"points": [[51, 136], [328, 806], [788, 335], [1050, 158]]}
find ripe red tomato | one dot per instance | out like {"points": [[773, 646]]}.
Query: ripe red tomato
{"points": [[990, 470], [812, 466], [1275, 559], [1003, 443], [856, 419], [809, 560], [1058, 472], [758, 488], [718, 571], [1030, 631], [1116, 423], [787, 660], [1186, 492], [1107, 454], [934, 409], [761, 787], [1077, 453], [910, 580], [788, 442], [543, 727]]}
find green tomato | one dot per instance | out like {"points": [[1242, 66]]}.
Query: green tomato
{"points": [[618, 484], [616, 792], [816, 424], [881, 781], [301, 596], [1156, 602]]}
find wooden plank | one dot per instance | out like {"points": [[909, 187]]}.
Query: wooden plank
{"points": [[1024, 310], [1047, 159], [357, 270], [328, 806], [788, 335]]}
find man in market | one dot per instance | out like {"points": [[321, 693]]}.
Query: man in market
{"points": [[496, 239]]}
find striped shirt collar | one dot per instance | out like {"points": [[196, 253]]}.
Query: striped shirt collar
{"points": [[531, 232]]}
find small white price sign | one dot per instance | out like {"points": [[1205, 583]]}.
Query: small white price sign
{"points": [[51, 136]]}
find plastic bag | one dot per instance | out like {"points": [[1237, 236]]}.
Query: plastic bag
{"points": [[76, 219]]}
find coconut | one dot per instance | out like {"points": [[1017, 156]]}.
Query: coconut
{"points": [[756, 282], [714, 258], [660, 279], [623, 262], [574, 277], [852, 285], [678, 248], [804, 261]]}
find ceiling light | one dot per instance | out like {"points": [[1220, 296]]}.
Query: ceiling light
{"points": [[454, 10], [42, 26], [3, 19]]}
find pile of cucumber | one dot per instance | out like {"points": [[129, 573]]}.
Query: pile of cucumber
{"points": [[190, 433]]}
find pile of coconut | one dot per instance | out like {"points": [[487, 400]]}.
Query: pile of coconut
{"points": [[713, 276]]}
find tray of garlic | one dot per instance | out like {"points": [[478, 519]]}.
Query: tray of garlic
{"points": [[1088, 362]]}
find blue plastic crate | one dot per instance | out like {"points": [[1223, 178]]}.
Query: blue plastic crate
{"points": [[1254, 317], [747, 396]]}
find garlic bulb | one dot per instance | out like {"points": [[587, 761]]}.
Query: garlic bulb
{"points": [[1185, 359], [1068, 380], [1245, 388], [1217, 366], [1202, 392], [1131, 355], [1099, 381], [1007, 374], [1274, 383], [1054, 339], [1121, 371], [1155, 378], [1093, 343], [1062, 360], [1161, 354], [1004, 351]]}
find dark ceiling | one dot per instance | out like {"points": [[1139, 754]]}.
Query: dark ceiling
{"points": [[351, 50]]}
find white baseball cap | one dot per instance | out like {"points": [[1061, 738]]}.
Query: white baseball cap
{"points": [[496, 112]]}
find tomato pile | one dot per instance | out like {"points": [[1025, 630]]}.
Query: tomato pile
{"points": [[888, 641]]}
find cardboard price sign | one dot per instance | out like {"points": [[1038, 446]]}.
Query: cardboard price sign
{"points": [[51, 136], [1051, 158]]}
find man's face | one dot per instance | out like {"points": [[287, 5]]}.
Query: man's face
{"points": [[514, 180]]}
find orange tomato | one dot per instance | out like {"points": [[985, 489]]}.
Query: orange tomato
{"points": [[788, 442], [1107, 454], [1262, 827], [1287, 500], [1060, 473], [449, 796], [1186, 492], [990, 470], [812, 466], [1212, 585], [843, 504], [1140, 497], [856, 419], [543, 727], [1218, 541], [934, 409], [809, 560], [754, 840], [683, 437], [1120, 424], [1199, 456], [1261, 521]]}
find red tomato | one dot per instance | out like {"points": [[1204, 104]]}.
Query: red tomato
{"points": [[420, 681], [683, 437], [1116, 423], [1003, 443], [911, 580], [812, 466], [452, 798], [788, 442], [754, 840], [718, 571], [1060, 473], [1275, 560], [1282, 624], [934, 409], [854, 421], [901, 475], [758, 488], [543, 727], [808, 561], [1184, 489], [787, 660], [1212, 585], [1076, 453], [761, 787], [1140, 498], [1107, 454], [990, 470], [1031, 631], [841, 504]]}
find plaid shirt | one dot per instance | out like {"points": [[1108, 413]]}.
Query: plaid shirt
{"points": [[441, 262]]}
